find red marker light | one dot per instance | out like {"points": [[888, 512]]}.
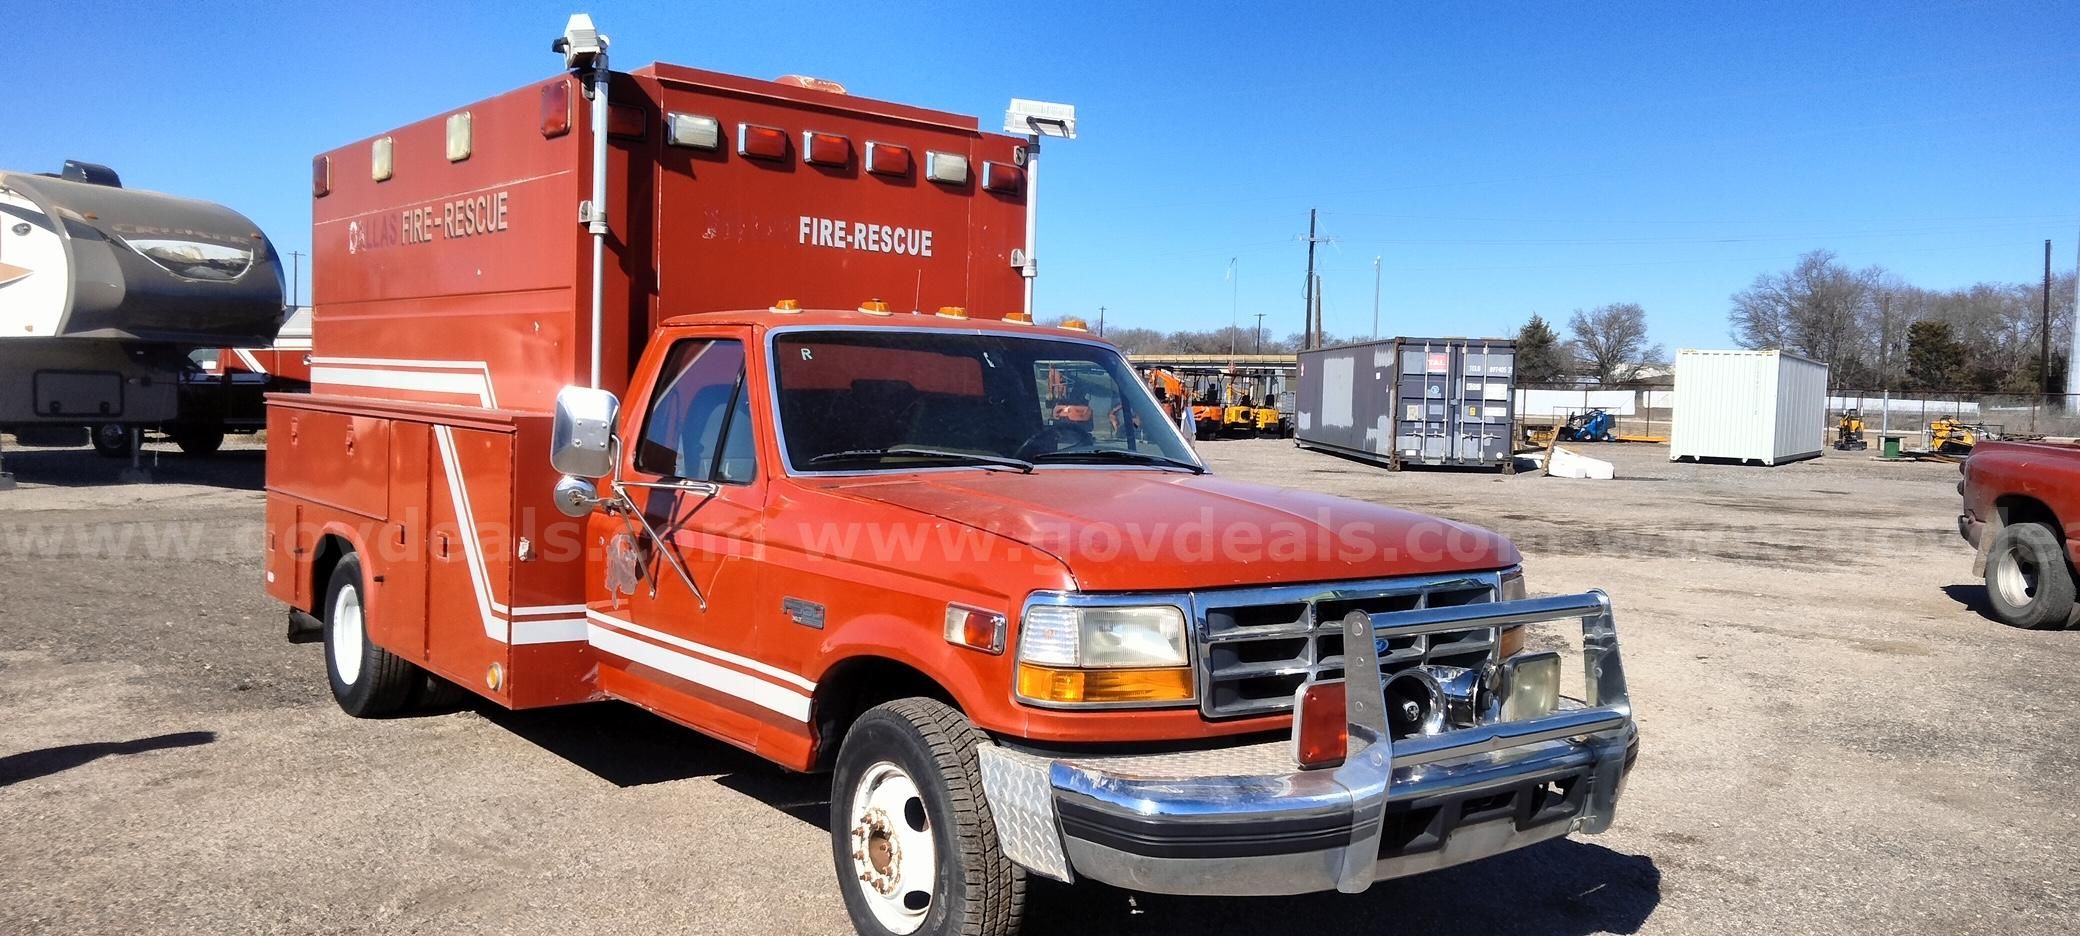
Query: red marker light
{"points": [[1003, 178], [888, 159], [761, 142], [625, 121], [825, 149], [556, 109]]}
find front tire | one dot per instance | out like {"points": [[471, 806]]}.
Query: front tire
{"points": [[367, 681], [911, 833], [2027, 579]]}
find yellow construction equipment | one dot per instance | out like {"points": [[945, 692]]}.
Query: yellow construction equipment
{"points": [[1951, 435], [1848, 433]]}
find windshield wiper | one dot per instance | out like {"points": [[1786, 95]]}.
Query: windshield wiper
{"points": [[916, 451], [1119, 455]]}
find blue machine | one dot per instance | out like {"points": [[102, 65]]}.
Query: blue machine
{"points": [[1593, 426]]}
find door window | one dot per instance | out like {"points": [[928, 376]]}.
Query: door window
{"points": [[699, 424]]}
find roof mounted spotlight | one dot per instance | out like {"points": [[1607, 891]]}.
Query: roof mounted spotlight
{"points": [[584, 51], [580, 43], [1035, 119], [1040, 118]]}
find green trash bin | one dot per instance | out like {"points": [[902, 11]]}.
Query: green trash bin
{"points": [[1891, 446]]}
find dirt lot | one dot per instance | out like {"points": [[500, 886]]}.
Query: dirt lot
{"points": [[1836, 739]]}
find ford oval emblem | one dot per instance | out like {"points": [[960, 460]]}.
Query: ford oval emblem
{"points": [[1379, 645]]}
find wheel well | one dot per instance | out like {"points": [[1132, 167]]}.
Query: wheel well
{"points": [[331, 549], [856, 685], [2021, 508]]}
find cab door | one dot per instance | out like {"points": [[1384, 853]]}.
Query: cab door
{"points": [[677, 628]]}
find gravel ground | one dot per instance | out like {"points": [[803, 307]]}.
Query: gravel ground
{"points": [[1836, 738]]}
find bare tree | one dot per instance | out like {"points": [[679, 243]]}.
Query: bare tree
{"points": [[1818, 308], [1610, 342]]}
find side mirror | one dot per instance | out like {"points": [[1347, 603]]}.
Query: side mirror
{"points": [[575, 496], [582, 441]]}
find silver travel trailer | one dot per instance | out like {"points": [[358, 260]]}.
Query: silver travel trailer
{"points": [[106, 291]]}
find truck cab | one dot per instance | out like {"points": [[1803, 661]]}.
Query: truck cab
{"points": [[965, 564]]}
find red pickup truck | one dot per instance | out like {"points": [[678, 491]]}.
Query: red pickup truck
{"points": [[2018, 498]]}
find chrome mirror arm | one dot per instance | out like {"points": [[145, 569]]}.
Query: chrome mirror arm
{"points": [[629, 509]]}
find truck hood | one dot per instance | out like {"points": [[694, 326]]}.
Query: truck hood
{"points": [[1127, 530]]}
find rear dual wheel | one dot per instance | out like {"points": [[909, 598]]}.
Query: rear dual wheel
{"points": [[2027, 579], [911, 832]]}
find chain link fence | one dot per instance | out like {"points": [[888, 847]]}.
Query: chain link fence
{"points": [[2054, 415], [1647, 413]]}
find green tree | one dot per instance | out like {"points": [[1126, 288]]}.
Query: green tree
{"points": [[1935, 358], [1540, 358]]}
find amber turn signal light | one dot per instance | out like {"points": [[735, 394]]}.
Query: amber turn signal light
{"points": [[1321, 732], [1071, 686], [1509, 642]]}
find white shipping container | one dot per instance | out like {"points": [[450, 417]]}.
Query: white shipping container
{"points": [[1760, 406]]}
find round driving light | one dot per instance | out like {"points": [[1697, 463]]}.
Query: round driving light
{"points": [[494, 677], [1415, 704]]}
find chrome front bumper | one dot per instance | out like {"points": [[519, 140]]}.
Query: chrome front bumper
{"points": [[1246, 821]]}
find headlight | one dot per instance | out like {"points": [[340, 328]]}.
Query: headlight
{"points": [[1513, 585], [1103, 638], [1119, 655]]}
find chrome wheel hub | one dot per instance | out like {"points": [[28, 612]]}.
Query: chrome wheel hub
{"points": [[893, 854], [2015, 575]]}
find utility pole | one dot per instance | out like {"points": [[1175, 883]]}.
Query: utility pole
{"points": [[1101, 321], [1375, 298], [2073, 353], [1320, 333], [1307, 340], [1234, 305], [1260, 333], [2044, 335], [296, 279]]}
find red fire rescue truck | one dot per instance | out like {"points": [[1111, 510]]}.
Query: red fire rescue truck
{"points": [[857, 514]]}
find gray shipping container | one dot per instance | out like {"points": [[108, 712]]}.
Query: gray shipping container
{"points": [[1411, 401]]}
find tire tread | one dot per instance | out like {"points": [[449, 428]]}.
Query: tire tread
{"points": [[2054, 606], [386, 681], [994, 902]]}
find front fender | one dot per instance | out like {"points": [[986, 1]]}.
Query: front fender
{"points": [[966, 675]]}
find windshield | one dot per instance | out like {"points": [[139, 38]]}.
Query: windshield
{"points": [[885, 399]]}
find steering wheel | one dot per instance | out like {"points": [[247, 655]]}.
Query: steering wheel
{"points": [[1055, 437]]}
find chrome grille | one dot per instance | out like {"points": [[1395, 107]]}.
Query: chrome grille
{"points": [[1256, 646]]}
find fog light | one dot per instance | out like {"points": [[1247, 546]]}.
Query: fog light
{"points": [[1530, 686]]}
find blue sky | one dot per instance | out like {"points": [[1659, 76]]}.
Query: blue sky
{"points": [[1501, 159]]}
